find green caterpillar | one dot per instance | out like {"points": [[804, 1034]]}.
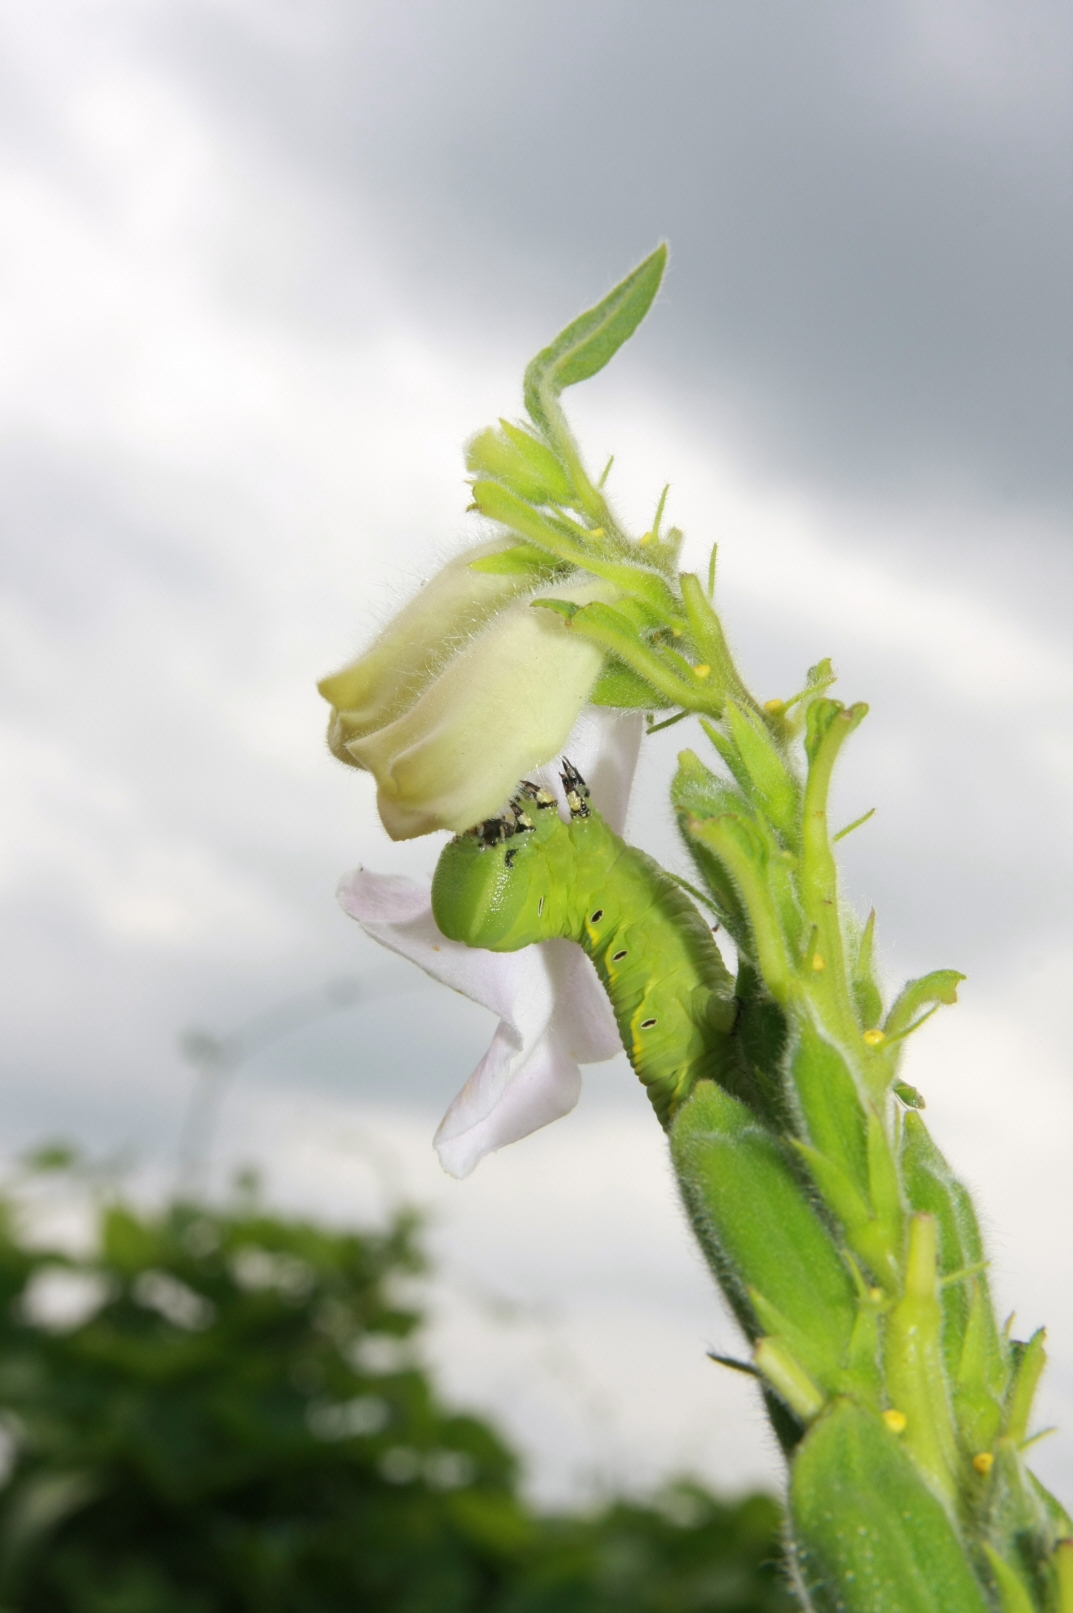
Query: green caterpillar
{"points": [[527, 876]]}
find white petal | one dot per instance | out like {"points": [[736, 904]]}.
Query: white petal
{"points": [[553, 1015], [511, 1093]]}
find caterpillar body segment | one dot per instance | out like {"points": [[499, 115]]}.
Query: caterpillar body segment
{"points": [[527, 876]]}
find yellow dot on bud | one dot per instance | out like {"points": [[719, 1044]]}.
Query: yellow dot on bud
{"points": [[875, 1295], [701, 671], [774, 708], [598, 532], [873, 1038], [818, 963], [983, 1462], [895, 1420], [645, 538]]}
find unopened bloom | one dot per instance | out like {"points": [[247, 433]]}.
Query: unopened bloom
{"points": [[466, 691], [553, 1014]]}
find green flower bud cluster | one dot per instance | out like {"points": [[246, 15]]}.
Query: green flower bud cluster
{"points": [[849, 1252], [661, 641]]}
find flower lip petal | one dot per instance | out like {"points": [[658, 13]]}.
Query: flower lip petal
{"points": [[507, 1097]]}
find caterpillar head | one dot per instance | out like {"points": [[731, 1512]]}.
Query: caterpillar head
{"points": [[481, 888]]}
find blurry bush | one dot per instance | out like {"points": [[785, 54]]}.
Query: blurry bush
{"points": [[219, 1411]]}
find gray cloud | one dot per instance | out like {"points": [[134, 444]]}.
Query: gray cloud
{"points": [[871, 208], [261, 270]]}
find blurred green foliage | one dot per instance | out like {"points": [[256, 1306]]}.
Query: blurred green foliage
{"points": [[221, 1411]]}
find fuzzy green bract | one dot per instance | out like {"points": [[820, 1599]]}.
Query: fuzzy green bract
{"points": [[845, 1245]]}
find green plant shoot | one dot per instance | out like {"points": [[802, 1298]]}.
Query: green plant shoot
{"points": [[845, 1246]]}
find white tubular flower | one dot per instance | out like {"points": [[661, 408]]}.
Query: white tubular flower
{"points": [[553, 1014], [464, 693]]}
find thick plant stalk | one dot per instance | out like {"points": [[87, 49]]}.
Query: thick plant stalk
{"points": [[846, 1248], [901, 1405]]}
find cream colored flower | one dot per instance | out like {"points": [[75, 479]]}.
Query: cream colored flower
{"points": [[463, 694]]}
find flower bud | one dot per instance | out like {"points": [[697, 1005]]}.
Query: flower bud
{"points": [[389, 677], [463, 694], [522, 462]]}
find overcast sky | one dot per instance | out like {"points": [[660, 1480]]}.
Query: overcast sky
{"points": [[263, 268]]}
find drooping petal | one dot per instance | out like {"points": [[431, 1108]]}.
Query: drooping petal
{"points": [[553, 1016], [553, 1013]]}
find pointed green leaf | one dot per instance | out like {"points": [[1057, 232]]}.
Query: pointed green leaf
{"points": [[592, 340]]}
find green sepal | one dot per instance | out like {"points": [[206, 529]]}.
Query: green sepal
{"points": [[707, 633], [547, 471], [520, 559], [732, 757], [867, 1533], [830, 1104], [908, 1095], [771, 785], [864, 1368], [592, 340], [696, 794], [1023, 1523], [931, 990], [552, 534], [787, 1377], [758, 1228], [744, 849], [867, 997], [883, 1183], [566, 608], [979, 1410], [913, 1365], [836, 1189], [618, 635], [1062, 1576], [620, 685], [1013, 1595], [1029, 1361], [931, 1187], [794, 1346]]}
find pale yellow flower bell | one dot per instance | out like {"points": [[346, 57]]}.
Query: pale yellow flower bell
{"points": [[462, 694]]}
